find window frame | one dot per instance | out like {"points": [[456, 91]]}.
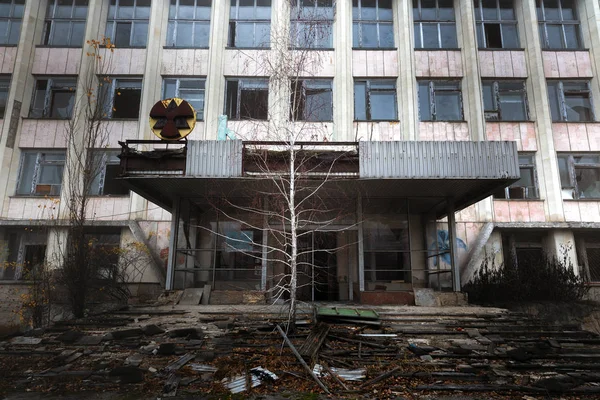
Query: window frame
{"points": [[10, 20], [481, 21], [51, 20], [115, 20], [432, 99], [418, 20], [177, 81], [233, 26], [584, 242], [531, 165], [572, 167], [358, 22], [5, 81], [304, 88], [562, 98], [297, 20], [175, 20], [47, 111], [497, 92], [98, 183], [240, 88], [109, 98], [543, 26], [40, 163], [369, 91]]}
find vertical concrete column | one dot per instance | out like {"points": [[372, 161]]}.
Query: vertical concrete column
{"points": [[454, 264], [589, 15], [279, 86], [19, 98], [537, 96], [215, 82], [408, 110], [561, 244], [471, 83], [343, 83]]}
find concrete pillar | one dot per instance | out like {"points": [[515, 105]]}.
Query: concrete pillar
{"points": [[279, 88], [408, 110], [539, 109], [454, 265], [589, 14], [561, 244], [471, 83], [215, 82], [343, 83]]}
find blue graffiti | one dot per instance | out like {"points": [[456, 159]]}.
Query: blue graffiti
{"points": [[442, 247]]}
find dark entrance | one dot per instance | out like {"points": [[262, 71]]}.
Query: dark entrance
{"points": [[317, 267]]}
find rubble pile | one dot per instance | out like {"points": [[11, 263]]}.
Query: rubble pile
{"points": [[382, 352]]}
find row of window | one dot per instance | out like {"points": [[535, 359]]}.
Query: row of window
{"points": [[312, 99], [311, 23]]}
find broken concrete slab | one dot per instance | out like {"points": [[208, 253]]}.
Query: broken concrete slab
{"points": [[184, 332], [26, 340], [70, 336], [127, 333], [134, 360], [206, 295], [191, 297], [425, 297], [151, 330], [89, 340]]}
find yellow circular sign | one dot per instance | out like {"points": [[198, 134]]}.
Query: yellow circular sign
{"points": [[172, 119]]}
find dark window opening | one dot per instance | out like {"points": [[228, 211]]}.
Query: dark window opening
{"points": [[312, 100], [247, 99], [579, 175], [526, 186], [570, 101], [493, 37], [440, 101]]}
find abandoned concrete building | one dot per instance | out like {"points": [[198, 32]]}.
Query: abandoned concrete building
{"points": [[463, 130]]}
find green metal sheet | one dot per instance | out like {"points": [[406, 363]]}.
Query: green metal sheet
{"points": [[346, 313]]}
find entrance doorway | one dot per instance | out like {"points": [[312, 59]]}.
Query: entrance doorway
{"points": [[317, 267]]}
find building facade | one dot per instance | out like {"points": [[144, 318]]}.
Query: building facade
{"points": [[422, 71]]}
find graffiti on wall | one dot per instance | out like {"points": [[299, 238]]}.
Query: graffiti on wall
{"points": [[442, 247]]}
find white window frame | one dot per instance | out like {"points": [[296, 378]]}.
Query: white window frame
{"points": [[196, 21], [432, 102], [527, 162], [12, 20], [301, 15], [481, 22], [109, 97], [249, 84], [571, 188], [113, 20], [419, 22], [201, 92], [495, 114], [40, 162], [234, 20], [562, 98], [378, 21], [305, 86], [543, 27], [52, 20], [55, 83]]}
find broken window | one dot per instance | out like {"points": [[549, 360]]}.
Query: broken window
{"points": [[106, 169], [65, 23], [247, 98], [127, 24], [250, 24], [41, 173], [440, 101], [504, 100], [104, 252], [373, 24], [53, 98], [558, 24], [121, 97], [435, 24], [239, 252], [189, 23], [570, 101], [579, 175], [522, 250], [311, 100], [588, 256], [11, 17], [375, 100], [311, 24], [23, 253], [4, 89], [526, 186], [496, 24], [189, 89]]}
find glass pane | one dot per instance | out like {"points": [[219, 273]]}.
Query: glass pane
{"points": [[418, 43], [60, 33], [173, 9], [551, 10], [319, 106], [203, 9], [246, 9], [184, 34], [3, 98], [169, 88], [446, 10], [127, 103], [578, 107], [385, 10], [554, 37], [563, 171], [487, 89], [490, 12], [3, 31], [554, 100], [27, 171], [383, 106], [568, 10], [430, 36], [360, 105], [15, 30], [186, 9], [355, 35], [61, 104], [244, 36], [5, 8], [50, 174], [588, 182], [81, 7], [369, 9], [140, 34], [447, 106], [480, 42], [369, 35], [526, 178], [123, 34], [201, 34], [262, 34], [448, 34], [39, 98], [587, 159], [263, 9], [386, 35], [383, 85], [424, 102], [192, 84], [510, 38], [428, 10], [125, 9], [512, 107], [77, 34], [507, 11], [572, 36], [171, 34], [571, 85], [63, 9], [142, 9], [19, 8]]}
